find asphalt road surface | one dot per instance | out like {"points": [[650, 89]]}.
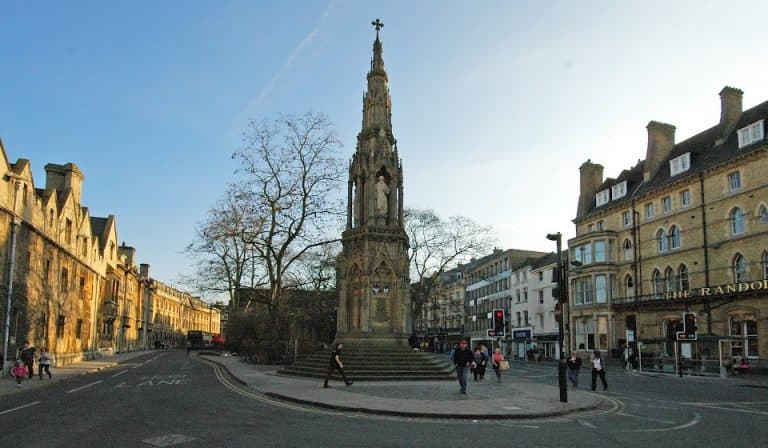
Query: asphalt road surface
{"points": [[169, 399]]}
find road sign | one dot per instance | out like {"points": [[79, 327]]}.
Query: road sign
{"points": [[683, 336], [491, 333], [630, 335]]}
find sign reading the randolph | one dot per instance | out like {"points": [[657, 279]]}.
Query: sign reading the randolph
{"points": [[711, 291]]}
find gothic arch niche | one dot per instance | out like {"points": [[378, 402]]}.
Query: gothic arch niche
{"points": [[355, 297], [382, 296]]}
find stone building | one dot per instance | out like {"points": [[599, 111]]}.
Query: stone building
{"points": [[372, 274], [443, 316], [493, 282], [73, 290], [684, 229]]}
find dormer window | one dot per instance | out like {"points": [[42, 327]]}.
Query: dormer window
{"points": [[751, 134], [619, 190], [680, 164], [602, 197]]}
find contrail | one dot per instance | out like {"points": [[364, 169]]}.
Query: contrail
{"points": [[267, 89]]}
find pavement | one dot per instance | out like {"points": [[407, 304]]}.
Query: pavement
{"points": [[516, 397], [63, 373]]}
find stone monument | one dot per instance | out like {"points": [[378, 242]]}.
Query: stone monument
{"points": [[374, 303]]}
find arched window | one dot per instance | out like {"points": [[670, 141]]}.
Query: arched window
{"points": [[739, 269], [669, 275], [627, 246], [737, 221], [674, 237], [765, 265], [682, 275], [663, 243], [762, 215], [658, 283], [629, 286]]}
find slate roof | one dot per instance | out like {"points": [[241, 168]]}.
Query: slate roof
{"points": [[707, 151]]}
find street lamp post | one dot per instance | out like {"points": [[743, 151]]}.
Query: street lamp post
{"points": [[561, 366]]}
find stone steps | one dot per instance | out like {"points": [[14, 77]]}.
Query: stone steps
{"points": [[376, 365]]}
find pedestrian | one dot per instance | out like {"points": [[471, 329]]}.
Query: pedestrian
{"points": [[598, 369], [27, 356], [19, 371], [486, 361], [462, 359], [336, 364], [496, 360], [477, 359], [44, 363], [574, 366]]}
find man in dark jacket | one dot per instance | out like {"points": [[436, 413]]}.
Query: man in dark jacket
{"points": [[27, 356], [463, 358]]}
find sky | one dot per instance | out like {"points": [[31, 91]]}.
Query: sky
{"points": [[496, 104]]}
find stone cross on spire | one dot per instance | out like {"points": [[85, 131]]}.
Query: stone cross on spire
{"points": [[379, 25]]}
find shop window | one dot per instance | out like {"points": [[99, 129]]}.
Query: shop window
{"points": [[746, 329]]}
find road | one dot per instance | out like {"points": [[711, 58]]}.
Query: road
{"points": [[169, 399]]}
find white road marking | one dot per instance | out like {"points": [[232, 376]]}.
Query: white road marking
{"points": [[738, 409], [137, 366], [695, 421], [19, 407], [83, 387], [586, 423], [647, 418], [118, 374]]}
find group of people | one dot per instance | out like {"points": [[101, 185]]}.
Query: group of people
{"points": [[475, 362], [598, 369], [24, 366]]}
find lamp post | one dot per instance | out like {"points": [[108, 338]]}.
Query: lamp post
{"points": [[561, 366]]}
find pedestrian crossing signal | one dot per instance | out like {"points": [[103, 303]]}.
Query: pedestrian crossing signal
{"points": [[498, 322], [689, 326]]}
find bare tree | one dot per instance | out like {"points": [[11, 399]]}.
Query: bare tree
{"points": [[438, 245], [291, 178], [223, 248]]}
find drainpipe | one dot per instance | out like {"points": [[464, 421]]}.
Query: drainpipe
{"points": [[706, 251], [15, 221]]}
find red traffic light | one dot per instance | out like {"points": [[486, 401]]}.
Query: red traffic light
{"points": [[499, 313]]}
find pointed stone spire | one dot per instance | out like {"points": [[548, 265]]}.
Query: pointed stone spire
{"points": [[377, 104]]}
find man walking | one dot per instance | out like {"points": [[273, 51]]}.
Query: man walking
{"points": [[336, 364], [27, 356], [463, 358]]}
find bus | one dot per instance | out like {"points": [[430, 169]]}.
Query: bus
{"points": [[199, 339]]}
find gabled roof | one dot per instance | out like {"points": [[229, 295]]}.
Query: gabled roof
{"points": [[707, 150]]}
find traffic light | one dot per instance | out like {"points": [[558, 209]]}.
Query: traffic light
{"points": [[498, 322], [689, 325]]}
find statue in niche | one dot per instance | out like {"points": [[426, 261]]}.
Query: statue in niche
{"points": [[382, 195]]}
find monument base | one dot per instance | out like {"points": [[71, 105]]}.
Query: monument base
{"points": [[358, 341]]}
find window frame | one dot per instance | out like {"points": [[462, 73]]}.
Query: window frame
{"points": [[739, 268], [734, 181], [619, 190], [736, 219], [751, 133], [602, 197], [680, 164], [685, 198]]}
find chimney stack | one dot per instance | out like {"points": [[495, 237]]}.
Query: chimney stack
{"points": [[661, 140], [730, 109], [591, 178]]}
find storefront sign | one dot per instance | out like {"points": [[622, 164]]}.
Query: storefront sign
{"points": [[711, 291]]}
